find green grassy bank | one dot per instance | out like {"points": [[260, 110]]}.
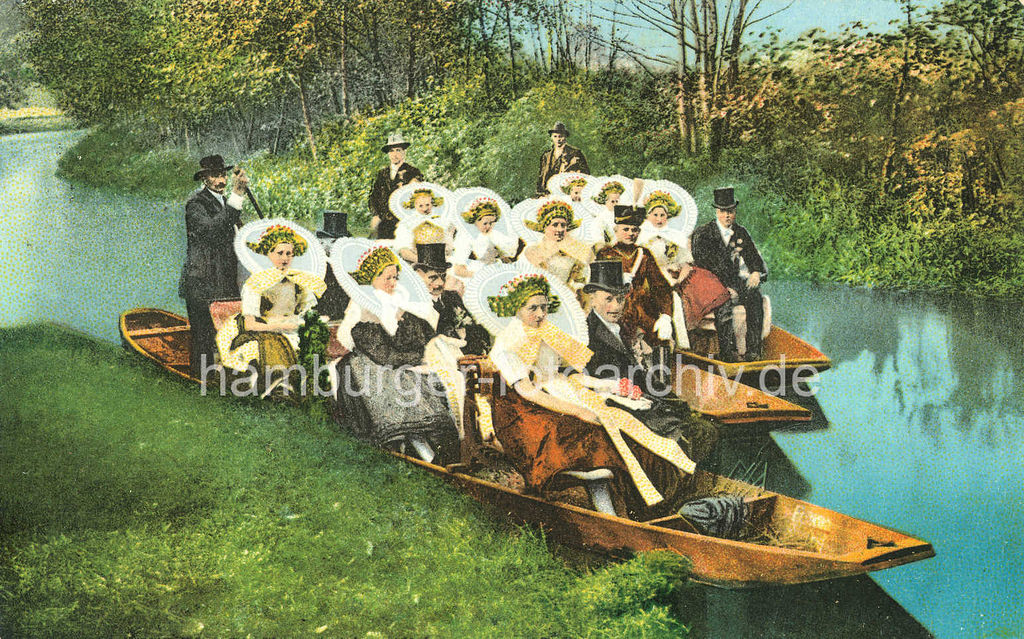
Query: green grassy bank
{"points": [[131, 506]]}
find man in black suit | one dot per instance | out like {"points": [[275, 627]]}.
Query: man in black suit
{"points": [[211, 268], [560, 158], [398, 173], [613, 359], [727, 250], [454, 319]]}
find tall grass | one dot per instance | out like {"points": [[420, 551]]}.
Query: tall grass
{"points": [[131, 506]]}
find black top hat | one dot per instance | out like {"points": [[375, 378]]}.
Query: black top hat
{"points": [[626, 214], [430, 257], [335, 225], [606, 275], [395, 141], [211, 164], [559, 128], [724, 199]]}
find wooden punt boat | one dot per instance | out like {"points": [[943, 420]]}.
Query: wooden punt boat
{"points": [[793, 541], [163, 337], [781, 351]]}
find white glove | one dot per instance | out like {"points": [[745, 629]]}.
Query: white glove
{"points": [[663, 328]]}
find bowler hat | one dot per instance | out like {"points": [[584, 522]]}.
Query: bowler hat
{"points": [[724, 199], [559, 128], [606, 275], [431, 257], [335, 225], [211, 164], [395, 141], [626, 214]]}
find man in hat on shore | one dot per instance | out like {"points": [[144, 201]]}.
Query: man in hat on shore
{"points": [[398, 173], [211, 268], [454, 319], [560, 158], [615, 359], [726, 249]]}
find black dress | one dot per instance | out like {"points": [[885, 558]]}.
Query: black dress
{"points": [[383, 401]]}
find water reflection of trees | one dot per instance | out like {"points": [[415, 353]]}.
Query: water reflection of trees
{"points": [[935, 359]]}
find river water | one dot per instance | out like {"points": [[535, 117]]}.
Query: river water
{"points": [[919, 425]]}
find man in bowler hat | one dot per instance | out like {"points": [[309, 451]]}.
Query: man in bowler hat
{"points": [[726, 249], [211, 268], [398, 173], [614, 359], [560, 158], [454, 319]]}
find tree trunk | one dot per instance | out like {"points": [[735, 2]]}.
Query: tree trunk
{"points": [[280, 123], [344, 65], [511, 45], [306, 117]]}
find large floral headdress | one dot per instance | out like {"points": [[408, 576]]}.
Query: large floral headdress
{"points": [[372, 263], [664, 200], [482, 207], [549, 211], [513, 295], [277, 234], [613, 186], [436, 200], [568, 185]]}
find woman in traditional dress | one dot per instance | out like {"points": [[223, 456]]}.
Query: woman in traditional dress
{"points": [[385, 394], [663, 240], [601, 196], [274, 300], [479, 241], [571, 184], [559, 253], [415, 205], [585, 436]]}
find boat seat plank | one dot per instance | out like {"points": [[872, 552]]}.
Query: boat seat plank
{"points": [[160, 330]]}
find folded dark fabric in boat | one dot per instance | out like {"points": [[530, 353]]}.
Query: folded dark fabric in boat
{"points": [[719, 516]]}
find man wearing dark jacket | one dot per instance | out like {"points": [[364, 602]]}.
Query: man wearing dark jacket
{"points": [[614, 359], [727, 250], [398, 173], [454, 319], [560, 158], [211, 268]]}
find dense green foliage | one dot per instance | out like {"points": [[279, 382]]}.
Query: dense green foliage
{"points": [[134, 507], [891, 158]]}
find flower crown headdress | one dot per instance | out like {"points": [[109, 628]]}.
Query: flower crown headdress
{"points": [[513, 295], [372, 262], [549, 211], [278, 234], [664, 200], [613, 186], [481, 207], [569, 184], [436, 200]]}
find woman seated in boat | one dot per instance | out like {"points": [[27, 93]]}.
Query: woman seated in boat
{"points": [[264, 335], [558, 252], [478, 241], [585, 438], [663, 239], [386, 395], [601, 196], [571, 184], [416, 205]]}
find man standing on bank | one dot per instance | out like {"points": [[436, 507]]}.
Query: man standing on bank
{"points": [[560, 158], [727, 250], [398, 173], [211, 268]]}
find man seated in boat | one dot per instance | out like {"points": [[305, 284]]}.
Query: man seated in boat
{"points": [[552, 424], [616, 360], [264, 337], [726, 249], [647, 313], [453, 318]]}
